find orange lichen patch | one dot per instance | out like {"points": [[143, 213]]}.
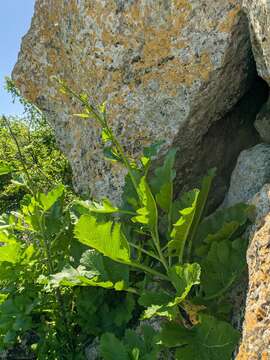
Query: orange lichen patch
{"points": [[266, 355], [182, 5], [243, 355], [228, 23], [157, 46], [261, 277], [175, 73], [250, 322]]}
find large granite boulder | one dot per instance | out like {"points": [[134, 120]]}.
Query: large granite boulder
{"points": [[255, 343], [258, 12], [168, 69]]}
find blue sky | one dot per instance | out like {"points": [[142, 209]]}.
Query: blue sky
{"points": [[15, 19]]}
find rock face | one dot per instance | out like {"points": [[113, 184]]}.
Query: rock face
{"points": [[250, 174], [258, 12], [168, 69], [262, 123], [256, 328], [250, 183]]}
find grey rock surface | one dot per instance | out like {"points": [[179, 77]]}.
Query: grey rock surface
{"points": [[262, 123], [255, 342], [168, 69], [252, 171], [258, 12]]}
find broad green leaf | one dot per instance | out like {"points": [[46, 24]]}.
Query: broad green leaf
{"points": [[112, 348], [162, 183], [169, 311], [143, 343], [201, 203], [222, 225], [106, 207], [223, 264], [181, 229], [225, 232], [147, 214], [105, 237], [71, 277], [211, 339], [129, 195], [48, 200], [183, 277], [105, 268], [10, 252]]}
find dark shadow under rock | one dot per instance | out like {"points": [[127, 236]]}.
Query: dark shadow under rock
{"points": [[221, 145]]}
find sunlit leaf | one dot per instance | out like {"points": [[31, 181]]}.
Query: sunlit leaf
{"points": [[106, 237]]}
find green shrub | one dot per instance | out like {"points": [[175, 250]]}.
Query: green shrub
{"points": [[28, 143], [74, 270]]}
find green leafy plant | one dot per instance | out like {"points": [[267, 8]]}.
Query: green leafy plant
{"points": [[28, 147], [74, 271], [178, 263]]}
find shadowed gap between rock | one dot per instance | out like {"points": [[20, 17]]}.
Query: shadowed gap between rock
{"points": [[222, 144]]}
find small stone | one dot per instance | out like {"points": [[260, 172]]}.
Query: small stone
{"points": [[262, 123], [252, 171]]}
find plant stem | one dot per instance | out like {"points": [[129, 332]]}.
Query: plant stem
{"points": [[148, 270], [145, 251], [156, 241], [21, 157], [51, 271]]}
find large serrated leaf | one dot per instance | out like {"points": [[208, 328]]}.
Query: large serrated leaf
{"points": [[223, 264], [48, 200], [71, 277], [105, 237], [183, 277], [147, 214], [211, 339], [222, 224], [105, 268], [112, 348], [162, 183], [181, 229]]}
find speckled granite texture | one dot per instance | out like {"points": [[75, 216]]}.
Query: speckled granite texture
{"points": [[255, 344], [168, 69]]}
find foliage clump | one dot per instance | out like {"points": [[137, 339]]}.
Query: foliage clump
{"points": [[29, 142], [72, 270]]}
